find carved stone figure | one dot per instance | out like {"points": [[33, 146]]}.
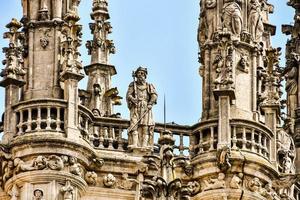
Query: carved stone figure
{"points": [[141, 96], [256, 25], [126, 183], [55, 162], [286, 151], [38, 194], [207, 23], [8, 170], [232, 17], [109, 180], [243, 64], [75, 168], [215, 183], [236, 181], [67, 191], [91, 178], [291, 87], [255, 185], [223, 156], [14, 193], [269, 192], [21, 166]]}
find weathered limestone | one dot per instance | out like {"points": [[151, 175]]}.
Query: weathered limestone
{"points": [[62, 143]]}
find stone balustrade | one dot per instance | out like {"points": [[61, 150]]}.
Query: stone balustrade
{"points": [[206, 135], [40, 115], [251, 137]]}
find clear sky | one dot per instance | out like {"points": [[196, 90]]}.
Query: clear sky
{"points": [[161, 35]]}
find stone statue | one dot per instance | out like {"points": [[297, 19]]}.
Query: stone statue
{"points": [[207, 23], [141, 96], [255, 185], [75, 167], [232, 17], [291, 76], [256, 25]]}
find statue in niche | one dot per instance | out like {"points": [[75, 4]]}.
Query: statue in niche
{"points": [[215, 183], [38, 194], [207, 23], [256, 25], [141, 96], [291, 76], [232, 17]]}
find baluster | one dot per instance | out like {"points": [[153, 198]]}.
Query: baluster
{"points": [[38, 119], [101, 136], [29, 120], [260, 146], [20, 125], [181, 147], [120, 141], [267, 150], [110, 137], [58, 122], [212, 139], [234, 139], [200, 142], [253, 140], [244, 141], [48, 121]]}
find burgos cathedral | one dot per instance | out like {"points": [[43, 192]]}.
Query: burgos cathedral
{"points": [[64, 143]]}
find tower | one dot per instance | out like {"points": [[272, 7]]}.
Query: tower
{"points": [[63, 143]]}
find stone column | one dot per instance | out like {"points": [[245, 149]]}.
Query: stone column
{"points": [[271, 114], [12, 87], [71, 96], [224, 98]]}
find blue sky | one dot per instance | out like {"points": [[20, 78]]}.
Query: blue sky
{"points": [[161, 35]]}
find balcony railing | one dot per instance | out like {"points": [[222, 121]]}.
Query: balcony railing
{"points": [[40, 115]]}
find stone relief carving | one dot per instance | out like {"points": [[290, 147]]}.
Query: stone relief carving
{"points": [[91, 178], [256, 25], [38, 194], [232, 17], [52, 162], [215, 183], [44, 40], [68, 191], [269, 193], [141, 96], [75, 168], [125, 183], [223, 61], [255, 185], [243, 64], [70, 42], [109, 180], [236, 181]]}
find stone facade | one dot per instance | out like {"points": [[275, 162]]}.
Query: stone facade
{"points": [[62, 143]]}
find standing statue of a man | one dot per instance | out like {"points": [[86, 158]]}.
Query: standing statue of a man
{"points": [[141, 96]]}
